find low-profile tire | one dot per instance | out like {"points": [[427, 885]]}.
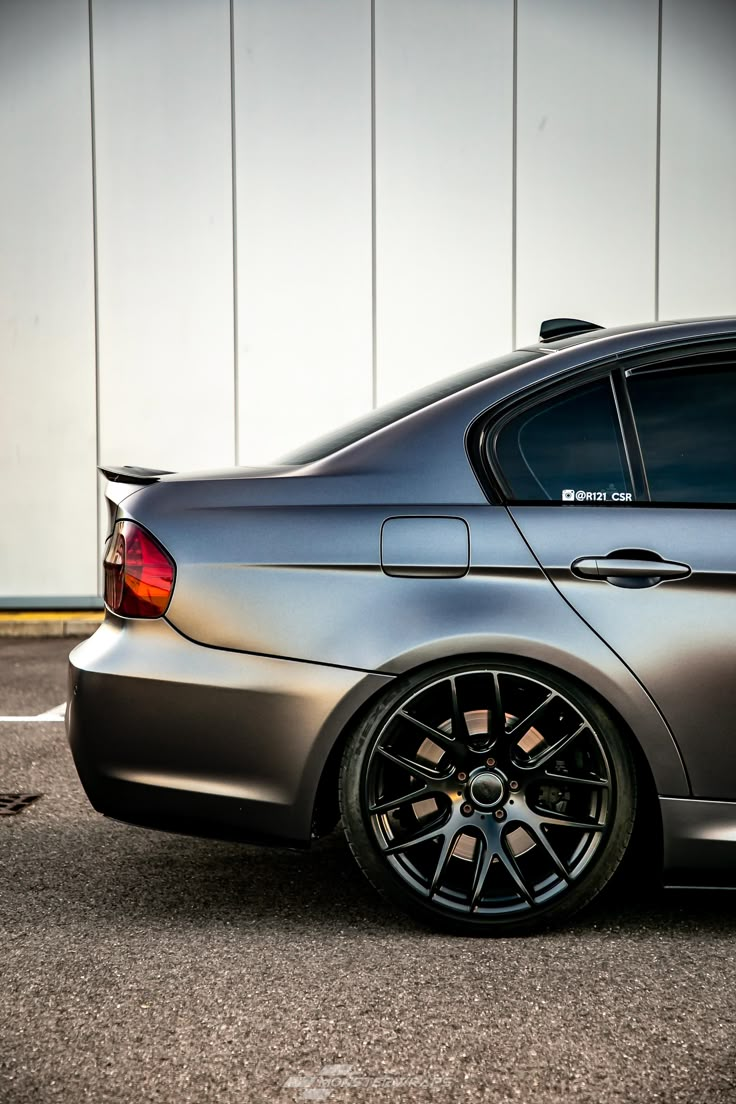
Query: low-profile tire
{"points": [[488, 798]]}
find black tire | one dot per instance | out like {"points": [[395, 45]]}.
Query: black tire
{"points": [[488, 798]]}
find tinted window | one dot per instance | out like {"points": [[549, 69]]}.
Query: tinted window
{"points": [[407, 404], [569, 444], [686, 418]]}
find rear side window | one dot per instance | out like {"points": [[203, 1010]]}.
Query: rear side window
{"points": [[566, 449], [686, 421]]}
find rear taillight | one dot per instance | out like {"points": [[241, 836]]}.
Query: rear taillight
{"points": [[139, 575]]}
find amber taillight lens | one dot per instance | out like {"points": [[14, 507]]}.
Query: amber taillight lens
{"points": [[139, 574]]}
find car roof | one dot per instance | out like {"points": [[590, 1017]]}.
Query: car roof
{"points": [[699, 326]]}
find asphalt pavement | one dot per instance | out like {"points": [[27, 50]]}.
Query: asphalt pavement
{"points": [[143, 967]]}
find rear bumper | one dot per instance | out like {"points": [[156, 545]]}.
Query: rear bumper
{"points": [[169, 734]]}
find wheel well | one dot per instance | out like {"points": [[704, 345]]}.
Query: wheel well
{"points": [[646, 849]]}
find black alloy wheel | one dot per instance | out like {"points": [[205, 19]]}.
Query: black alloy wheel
{"points": [[488, 798]]}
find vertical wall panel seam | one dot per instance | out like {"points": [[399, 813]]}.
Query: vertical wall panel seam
{"points": [[234, 181], [95, 268], [658, 164], [514, 159], [374, 322]]}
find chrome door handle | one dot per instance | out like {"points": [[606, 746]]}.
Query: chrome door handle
{"points": [[622, 567]]}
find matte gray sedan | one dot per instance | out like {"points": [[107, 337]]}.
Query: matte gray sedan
{"points": [[487, 627]]}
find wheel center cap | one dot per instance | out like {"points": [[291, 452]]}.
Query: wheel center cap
{"points": [[487, 790]]}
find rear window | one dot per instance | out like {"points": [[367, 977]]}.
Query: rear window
{"points": [[408, 404], [566, 449]]}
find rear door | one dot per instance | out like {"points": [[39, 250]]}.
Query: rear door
{"points": [[624, 487]]}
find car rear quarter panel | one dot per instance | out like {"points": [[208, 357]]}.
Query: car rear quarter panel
{"points": [[306, 583]]}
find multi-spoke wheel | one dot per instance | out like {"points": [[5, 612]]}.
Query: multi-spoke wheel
{"points": [[488, 797]]}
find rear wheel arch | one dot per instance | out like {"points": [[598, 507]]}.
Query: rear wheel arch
{"points": [[602, 854], [594, 667], [647, 838]]}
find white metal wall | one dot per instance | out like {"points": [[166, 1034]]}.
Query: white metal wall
{"points": [[586, 161], [305, 206], [697, 270], [164, 231], [302, 81], [444, 88], [48, 526]]}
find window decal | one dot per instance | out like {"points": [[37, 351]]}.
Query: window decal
{"points": [[596, 496]]}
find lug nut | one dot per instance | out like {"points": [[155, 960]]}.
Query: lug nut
{"points": [[490, 762], [467, 809], [513, 785], [500, 814], [462, 776]]}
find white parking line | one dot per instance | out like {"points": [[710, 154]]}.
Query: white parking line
{"points": [[51, 715]]}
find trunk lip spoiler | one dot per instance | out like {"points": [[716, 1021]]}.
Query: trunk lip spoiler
{"points": [[129, 474]]}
